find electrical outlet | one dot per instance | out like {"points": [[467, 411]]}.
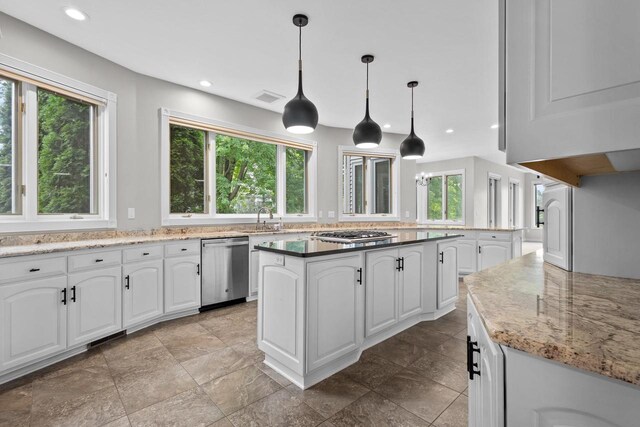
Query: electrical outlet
{"points": [[279, 260], [331, 214], [131, 213], [407, 214], [319, 214]]}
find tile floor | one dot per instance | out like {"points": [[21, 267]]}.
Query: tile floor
{"points": [[206, 370]]}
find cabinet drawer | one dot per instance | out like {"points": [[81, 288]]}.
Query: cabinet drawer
{"points": [[494, 236], [22, 269], [191, 247], [142, 253], [94, 259]]}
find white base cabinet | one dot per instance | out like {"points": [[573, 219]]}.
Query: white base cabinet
{"points": [[182, 286], [447, 273], [467, 256], [491, 253], [143, 297]]}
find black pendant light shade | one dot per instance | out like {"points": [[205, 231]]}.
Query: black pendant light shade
{"points": [[367, 134], [300, 115], [412, 147]]}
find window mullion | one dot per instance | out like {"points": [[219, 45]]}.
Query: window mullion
{"points": [[210, 172], [30, 152], [281, 179]]}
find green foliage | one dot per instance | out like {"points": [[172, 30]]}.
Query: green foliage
{"points": [[434, 198], [64, 149], [6, 148], [187, 166], [296, 188], [454, 194], [245, 175], [454, 197], [382, 182]]}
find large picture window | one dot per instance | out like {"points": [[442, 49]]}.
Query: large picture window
{"points": [[441, 200], [57, 151], [217, 173]]}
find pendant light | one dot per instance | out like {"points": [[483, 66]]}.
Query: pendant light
{"points": [[412, 147], [367, 134], [300, 115]]}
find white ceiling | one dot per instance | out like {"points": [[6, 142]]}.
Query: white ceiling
{"points": [[245, 46]]}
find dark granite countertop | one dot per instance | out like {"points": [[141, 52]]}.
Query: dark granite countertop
{"points": [[310, 247]]}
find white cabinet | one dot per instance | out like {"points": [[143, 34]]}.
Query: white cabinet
{"points": [[447, 273], [254, 270], [492, 252], [381, 290], [94, 305], [410, 281], [181, 283], [336, 309], [467, 256], [572, 78], [557, 230], [486, 375], [142, 298], [33, 320]]}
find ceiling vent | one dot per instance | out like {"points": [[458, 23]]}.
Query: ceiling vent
{"points": [[268, 97]]}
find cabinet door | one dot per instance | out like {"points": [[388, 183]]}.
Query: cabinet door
{"points": [[254, 272], [573, 78], [556, 233], [516, 244], [143, 292], [95, 305], [467, 250], [335, 303], [410, 283], [181, 283], [381, 290], [447, 273], [33, 321], [491, 252]]}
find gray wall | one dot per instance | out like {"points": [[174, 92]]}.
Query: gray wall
{"points": [[140, 97], [606, 231]]}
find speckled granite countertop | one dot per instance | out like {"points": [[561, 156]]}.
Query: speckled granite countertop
{"points": [[585, 321]]}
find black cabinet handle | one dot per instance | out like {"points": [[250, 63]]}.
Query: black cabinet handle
{"points": [[359, 280], [441, 257], [402, 263], [538, 212], [198, 269], [145, 253], [479, 249], [183, 249], [126, 281], [73, 293], [398, 264], [64, 296], [99, 260], [33, 270], [472, 347]]}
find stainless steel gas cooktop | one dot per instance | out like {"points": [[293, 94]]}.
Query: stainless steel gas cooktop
{"points": [[351, 236]]}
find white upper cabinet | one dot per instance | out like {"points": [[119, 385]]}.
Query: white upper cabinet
{"points": [[572, 78]]}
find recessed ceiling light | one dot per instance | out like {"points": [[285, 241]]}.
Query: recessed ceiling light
{"points": [[386, 126], [74, 13], [496, 126], [205, 83], [449, 131]]}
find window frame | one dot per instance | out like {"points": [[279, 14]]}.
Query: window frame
{"points": [[514, 203], [422, 194], [498, 200], [29, 78], [534, 204], [394, 191], [212, 216]]}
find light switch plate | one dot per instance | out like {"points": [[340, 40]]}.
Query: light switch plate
{"points": [[131, 213], [331, 214]]}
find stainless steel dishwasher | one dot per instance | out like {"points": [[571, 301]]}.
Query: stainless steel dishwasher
{"points": [[225, 270]]}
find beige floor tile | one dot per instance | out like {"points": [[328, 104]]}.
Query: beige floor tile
{"points": [[90, 409], [240, 388], [171, 331], [371, 370], [457, 315], [190, 408], [216, 364], [141, 362], [462, 335], [456, 415], [400, 352], [87, 359], [453, 348], [130, 344], [421, 396], [190, 347], [139, 391], [443, 326], [466, 391], [422, 337], [278, 409], [250, 350], [15, 406], [120, 422], [71, 385], [273, 374], [442, 369], [373, 410], [331, 395], [236, 332], [222, 423]]}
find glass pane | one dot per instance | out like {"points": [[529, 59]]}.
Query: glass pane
{"points": [[245, 175], [454, 197], [296, 194], [65, 150], [539, 190], [434, 198], [187, 170], [382, 186], [8, 197], [353, 185]]}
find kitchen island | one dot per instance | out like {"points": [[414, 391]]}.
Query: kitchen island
{"points": [[320, 303]]}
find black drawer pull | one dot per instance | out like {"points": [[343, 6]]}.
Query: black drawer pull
{"points": [[99, 260], [33, 270], [64, 296], [73, 294], [472, 347], [145, 253], [441, 257], [359, 280], [402, 263], [198, 269], [183, 249], [126, 281]]}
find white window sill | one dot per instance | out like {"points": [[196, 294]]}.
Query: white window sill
{"points": [[19, 226], [443, 223], [234, 219], [368, 218]]}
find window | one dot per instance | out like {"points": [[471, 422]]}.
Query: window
{"points": [[538, 213], [494, 201], [441, 198], [57, 151], [213, 172], [368, 184], [514, 201]]}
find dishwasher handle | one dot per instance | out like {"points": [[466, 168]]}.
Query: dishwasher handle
{"points": [[224, 244]]}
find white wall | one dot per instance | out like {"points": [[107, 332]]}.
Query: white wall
{"points": [[606, 230], [140, 97]]}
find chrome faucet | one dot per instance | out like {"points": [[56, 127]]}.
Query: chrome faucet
{"points": [[263, 209]]}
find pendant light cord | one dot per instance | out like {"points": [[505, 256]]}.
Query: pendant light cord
{"points": [[412, 106], [300, 47], [367, 80]]}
